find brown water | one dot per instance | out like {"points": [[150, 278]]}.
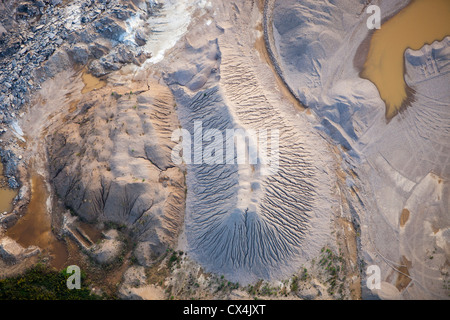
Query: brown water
{"points": [[404, 217], [92, 232], [6, 194], [91, 83], [35, 228], [419, 23]]}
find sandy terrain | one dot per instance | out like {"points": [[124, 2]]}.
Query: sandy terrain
{"points": [[350, 190], [386, 164], [246, 225]]}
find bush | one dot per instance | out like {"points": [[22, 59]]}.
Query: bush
{"points": [[41, 283], [174, 259], [294, 284]]}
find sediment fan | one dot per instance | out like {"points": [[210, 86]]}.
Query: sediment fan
{"points": [[238, 221]]}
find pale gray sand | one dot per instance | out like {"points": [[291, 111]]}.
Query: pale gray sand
{"points": [[396, 161], [238, 222], [207, 64]]}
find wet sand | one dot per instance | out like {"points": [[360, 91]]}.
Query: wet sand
{"points": [[403, 277], [34, 228], [92, 232], [260, 46], [404, 217], [419, 23]]}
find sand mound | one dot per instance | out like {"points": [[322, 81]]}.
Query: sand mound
{"points": [[110, 161], [240, 222]]}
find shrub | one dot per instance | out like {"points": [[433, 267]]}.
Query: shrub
{"points": [[42, 283], [294, 284]]}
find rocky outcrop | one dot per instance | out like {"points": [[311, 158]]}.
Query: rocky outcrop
{"points": [[110, 161], [41, 38], [10, 162]]}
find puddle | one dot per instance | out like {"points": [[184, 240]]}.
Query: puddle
{"points": [[91, 83], [93, 233], [404, 217], [6, 194], [419, 23], [403, 278], [34, 228]]}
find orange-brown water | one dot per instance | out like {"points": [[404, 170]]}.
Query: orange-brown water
{"points": [[404, 217], [6, 194], [91, 82], [419, 23], [35, 228]]}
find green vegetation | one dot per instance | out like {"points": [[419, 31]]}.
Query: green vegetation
{"points": [[224, 285], [262, 288], [266, 290], [174, 259], [334, 267], [116, 226], [294, 284], [42, 283], [304, 274]]}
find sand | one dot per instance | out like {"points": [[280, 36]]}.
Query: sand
{"points": [[346, 175], [389, 165], [239, 222]]}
